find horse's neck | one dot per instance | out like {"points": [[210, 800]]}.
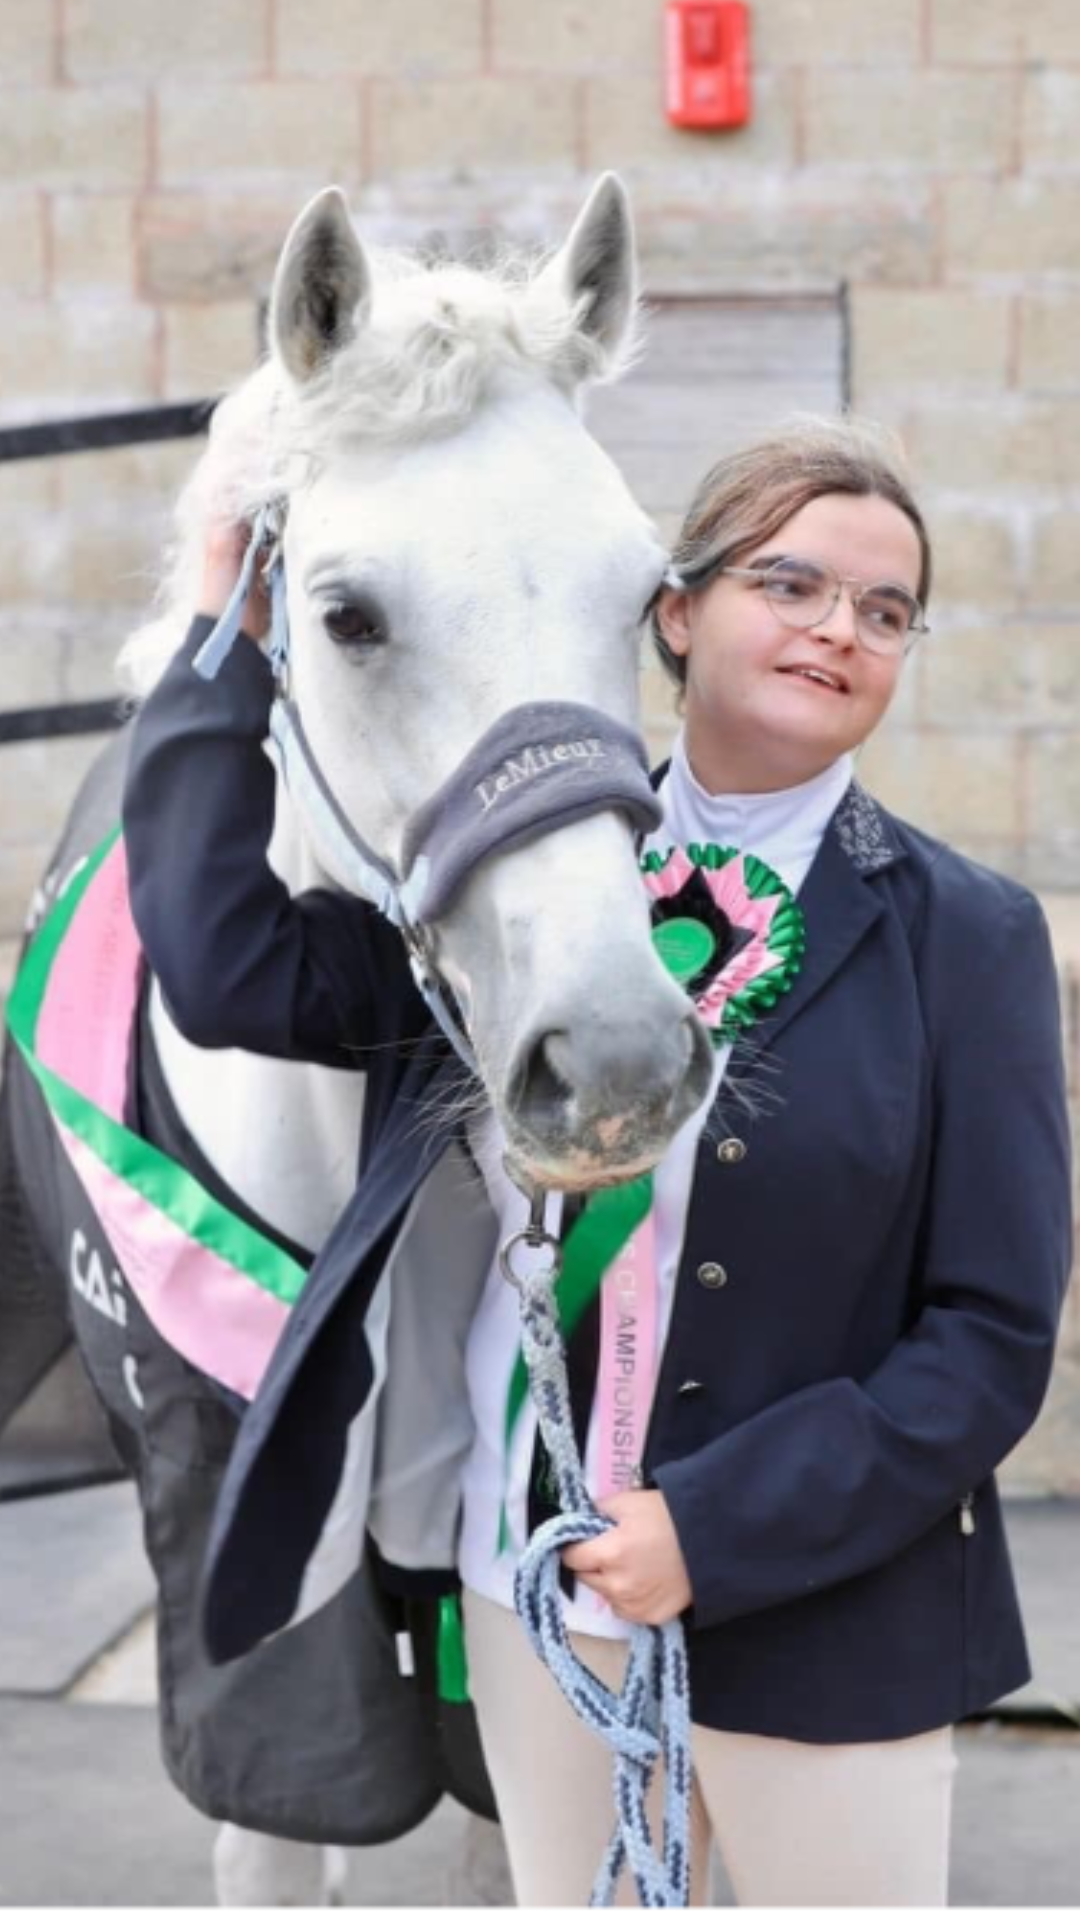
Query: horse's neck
{"points": [[283, 1135]]}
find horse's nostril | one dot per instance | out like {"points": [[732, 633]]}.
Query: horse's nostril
{"points": [[581, 1080], [539, 1091]]}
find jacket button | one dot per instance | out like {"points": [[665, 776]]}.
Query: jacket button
{"points": [[690, 1386], [712, 1275], [731, 1151]]}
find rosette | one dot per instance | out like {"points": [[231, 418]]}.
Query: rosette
{"points": [[728, 928]]}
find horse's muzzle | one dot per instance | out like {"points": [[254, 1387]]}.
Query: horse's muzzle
{"points": [[595, 1104]]}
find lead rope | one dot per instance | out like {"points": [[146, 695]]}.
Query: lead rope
{"points": [[649, 1719]]}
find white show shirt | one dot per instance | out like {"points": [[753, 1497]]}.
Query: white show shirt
{"points": [[784, 829]]}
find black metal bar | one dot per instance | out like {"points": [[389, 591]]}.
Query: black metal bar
{"points": [[91, 432], [52, 723]]}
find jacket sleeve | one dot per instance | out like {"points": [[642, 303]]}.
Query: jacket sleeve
{"points": [[241, 961], [841, 1476]]}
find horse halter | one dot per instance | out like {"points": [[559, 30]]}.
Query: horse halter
{"points": [[539, 767]]}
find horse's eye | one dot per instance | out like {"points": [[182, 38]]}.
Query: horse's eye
{"points": [[356, 623]]}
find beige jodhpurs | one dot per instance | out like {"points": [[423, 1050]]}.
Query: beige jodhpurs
{"points": [[796, 1825]]}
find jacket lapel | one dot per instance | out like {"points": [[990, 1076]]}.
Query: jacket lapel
{"points": [[839, 904]]}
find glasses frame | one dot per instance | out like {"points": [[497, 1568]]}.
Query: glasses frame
{"points": [[857, 589]]}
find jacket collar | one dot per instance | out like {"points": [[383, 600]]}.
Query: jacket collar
{"points": [[859, 843]]}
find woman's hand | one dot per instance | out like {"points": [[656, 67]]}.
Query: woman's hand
{"points": [[223, 556], [637, 1565]]}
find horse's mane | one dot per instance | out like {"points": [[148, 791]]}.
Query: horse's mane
{"points": [[440, 341]]}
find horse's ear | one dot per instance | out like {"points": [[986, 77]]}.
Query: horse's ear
{"points": [[598, 264], [322, 286]]}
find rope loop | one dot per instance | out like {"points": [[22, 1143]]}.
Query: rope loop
{"points": [[649, 1719]]}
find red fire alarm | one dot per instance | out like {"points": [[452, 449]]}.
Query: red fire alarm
{"points": [[708, 63]]}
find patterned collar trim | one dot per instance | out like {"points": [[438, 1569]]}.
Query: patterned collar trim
{"points": [[865, 832]]}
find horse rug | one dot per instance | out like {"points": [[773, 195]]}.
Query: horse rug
{"points": [[120, 1234]]}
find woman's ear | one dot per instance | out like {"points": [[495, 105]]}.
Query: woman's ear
{"points": [[673, 619]]}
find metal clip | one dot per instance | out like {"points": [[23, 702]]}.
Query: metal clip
{"points": [[534, 1236]]}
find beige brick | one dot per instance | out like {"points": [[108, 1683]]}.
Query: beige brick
{"points": [[9, 954], [1012, 229], [208, 349], [27, 42], [1028, 443], [1008, 674], [31, 546], [108, 555], [411, 37], [22, 243], [77, 356], [917, 120], [33, 662], [223, 136], [90, 658], [213, 39], [1053, 809], [448, 126], [128, 477], [93, 238], [927, 338], [74, 137], [627, 130], [958, 784], [797, 232], [21, 867], [1050, 342], [113, 561], [38, 780], [999, 32], [220, 246], [67, 652], [1055, 560], [1051, 121], [837, 33], [577, 36], [28, 486], [1047, 1461], [975, 559]]}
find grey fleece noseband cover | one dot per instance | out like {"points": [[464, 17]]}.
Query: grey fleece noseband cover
{"points": [[538, 768]]}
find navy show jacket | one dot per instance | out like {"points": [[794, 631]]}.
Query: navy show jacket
{"points": [[876, 1251]]}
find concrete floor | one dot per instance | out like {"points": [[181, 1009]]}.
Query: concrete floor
{"points": [[87, 1817]]}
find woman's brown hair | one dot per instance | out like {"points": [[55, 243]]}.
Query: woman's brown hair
{"points": [[749, 495]]}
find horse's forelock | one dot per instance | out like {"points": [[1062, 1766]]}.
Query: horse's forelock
{"points": [[441, 341]]}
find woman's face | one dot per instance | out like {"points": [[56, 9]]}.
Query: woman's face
{"points": [[755, 720]]}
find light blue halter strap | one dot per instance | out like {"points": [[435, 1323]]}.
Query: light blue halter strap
{"points": [[219, 644], [357, 863]]}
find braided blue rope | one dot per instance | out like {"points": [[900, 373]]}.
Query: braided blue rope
{"points": [[649, 1719]]}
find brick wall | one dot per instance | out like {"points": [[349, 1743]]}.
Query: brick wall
{"points": [[926, 152]]}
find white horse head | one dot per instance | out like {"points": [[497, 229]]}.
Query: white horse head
{"points": [[457, 545]]}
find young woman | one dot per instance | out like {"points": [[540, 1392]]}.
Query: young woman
{"points": [[860, 1249]]}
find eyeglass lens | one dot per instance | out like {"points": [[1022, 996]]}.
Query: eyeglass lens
{"points": [[804, 593]]}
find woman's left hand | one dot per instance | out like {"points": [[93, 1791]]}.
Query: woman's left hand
{"points": [[637, 1565]]}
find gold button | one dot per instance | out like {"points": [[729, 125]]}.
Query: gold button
{"points": [[711, 1275], [730, 1152]]}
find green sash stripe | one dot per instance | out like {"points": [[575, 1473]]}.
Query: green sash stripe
{"points": [[159, 1180], [598, 1234]]}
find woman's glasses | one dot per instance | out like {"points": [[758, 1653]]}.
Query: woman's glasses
{"points": [[804, 593]]}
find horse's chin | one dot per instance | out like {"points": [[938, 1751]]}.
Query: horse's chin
{"points": [[566, 1167]]}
